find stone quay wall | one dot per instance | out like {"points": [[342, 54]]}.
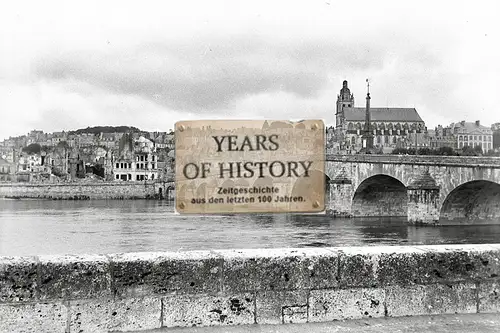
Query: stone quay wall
{"points": [[83, 191], [141, 291]]}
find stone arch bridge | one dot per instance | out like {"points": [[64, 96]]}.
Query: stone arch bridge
{"points": [[426, 189]]}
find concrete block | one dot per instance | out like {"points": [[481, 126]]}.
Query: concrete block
{"points": [[104, 315], [141, 274], [239, 270], [208, 310], [18, 279], [279, 307], [328, 305], [454, 263], [41, 317], [278, 269], [323, 268], [266, 269], [431, 299], [74, 277], [489, 296], [378, 266]]}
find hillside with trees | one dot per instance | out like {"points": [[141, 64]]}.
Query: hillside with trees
{"points": [[106, 129]]}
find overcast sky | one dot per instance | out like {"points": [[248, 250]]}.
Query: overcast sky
{"points": [[67, 65]]}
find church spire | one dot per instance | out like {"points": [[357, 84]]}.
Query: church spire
{"points": [[368, 136]]}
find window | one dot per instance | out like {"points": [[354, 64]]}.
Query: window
{"points": [[117, 176], [137, 166], [130, 165], [152, 165], [137, 177], [349, 105], [153, 158], [152, 177]]}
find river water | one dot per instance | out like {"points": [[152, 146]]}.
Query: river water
{"points": [[34, 227]]}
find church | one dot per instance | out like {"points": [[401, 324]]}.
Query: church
{"points": [[389, 128]]}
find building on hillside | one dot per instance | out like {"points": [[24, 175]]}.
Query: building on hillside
{"points": [[137, 160], [35, 137], [496, 136], [86, 139], [7, 170], [473, 134], [391, 127], [58, 137], [442, 137], [107, 140]]}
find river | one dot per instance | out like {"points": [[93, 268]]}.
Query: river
{"points": [[35, 227]]}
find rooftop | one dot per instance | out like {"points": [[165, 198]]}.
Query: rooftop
{"points": [[383, 114]]}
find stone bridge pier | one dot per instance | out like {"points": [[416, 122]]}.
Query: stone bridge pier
{"points": [[425, 189]]}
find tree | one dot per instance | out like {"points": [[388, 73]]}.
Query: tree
{"points": [[447, 151], [63, 144], [468, 151], [426, 151], [399, 151], [33, 148]]}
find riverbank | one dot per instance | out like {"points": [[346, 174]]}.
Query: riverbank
{"points": [[87, 190]]}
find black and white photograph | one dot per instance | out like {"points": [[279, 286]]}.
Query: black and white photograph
{"points": [[249, 166]]}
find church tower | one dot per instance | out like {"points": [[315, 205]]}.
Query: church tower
{"points": [[344, 100]]}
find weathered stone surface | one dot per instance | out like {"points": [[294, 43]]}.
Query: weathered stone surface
{"points": [[85, 191], [489, 296], [41, 317], [395, 265], [279, 269], [378, 266], [280, 307], [431, 299], [267, 269], [453, 263], [323, 267], [137, 274], [104, 315], [282, 270], [18, 279], [208, 310], [239, 269], [327, 305], [74, 277]]}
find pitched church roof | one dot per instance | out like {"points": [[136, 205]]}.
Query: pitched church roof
{"points": [[383, 114]]}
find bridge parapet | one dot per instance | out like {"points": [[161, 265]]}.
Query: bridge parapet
{"points": [[469, 161]]}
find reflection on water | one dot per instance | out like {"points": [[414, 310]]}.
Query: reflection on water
{"points": [[31, 227]]}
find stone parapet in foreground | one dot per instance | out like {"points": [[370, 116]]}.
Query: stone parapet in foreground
{"points": [[141, 291]]}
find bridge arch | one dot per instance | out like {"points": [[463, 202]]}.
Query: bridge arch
{"points": [[476, 200], [380, 195]]}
